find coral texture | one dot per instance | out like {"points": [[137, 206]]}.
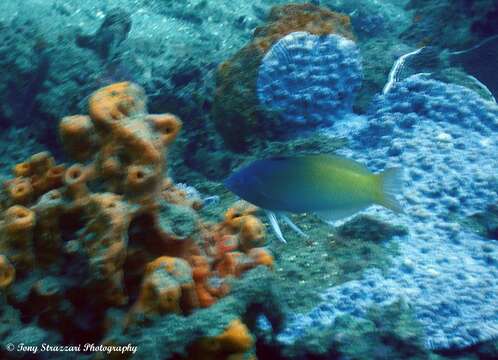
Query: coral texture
{"points": [[309, 79], [235, 109], [442, 135]]}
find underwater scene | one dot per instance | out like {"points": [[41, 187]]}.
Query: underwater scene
{"points": [[249, 179]]}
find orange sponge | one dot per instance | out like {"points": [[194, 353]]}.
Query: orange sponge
{"points": [[252, 233], [168, 126], [200, 268], [41, 162], [78, 136], [232, 264], [54, 177], [160, 294], [20, 191], [43, 175], [19, 219], [141, 180], [7, 272], [136, 137], [234, 343], [236, 338], [234, 216], [201, 271], [75, 179], [167, 287], [22, 169], [115, 102], [19, 223], [261, 256], [225, 244]]}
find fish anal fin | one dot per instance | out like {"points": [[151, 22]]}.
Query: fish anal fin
{"points": [[330, 216]]}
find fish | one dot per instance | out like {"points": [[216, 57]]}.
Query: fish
{"points": [[330, 186]]}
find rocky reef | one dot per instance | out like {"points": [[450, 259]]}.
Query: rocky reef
{"points": [[207, 80], [443, 136], [423, 125], [112, 233], [104, 240], [471, 22]]}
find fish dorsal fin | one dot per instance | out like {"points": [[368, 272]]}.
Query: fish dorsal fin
{"points": [[278, 158]]}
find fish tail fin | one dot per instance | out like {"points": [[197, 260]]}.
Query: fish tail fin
{"points": [[391, 184]]}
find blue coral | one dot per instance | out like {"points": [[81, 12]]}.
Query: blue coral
{"points": [[310, 79], [444, 136], [421, 98]]}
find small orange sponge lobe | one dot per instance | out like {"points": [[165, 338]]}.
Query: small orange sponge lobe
{"points": [[115, 102]]}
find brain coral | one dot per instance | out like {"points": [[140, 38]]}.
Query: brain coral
{"points": [[309, 79]]}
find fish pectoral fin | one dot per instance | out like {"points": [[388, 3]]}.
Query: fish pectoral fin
{"points": [[292, 225], [330, 216], [274, 225]]}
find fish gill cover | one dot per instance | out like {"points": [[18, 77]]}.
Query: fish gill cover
{"points": [[112, 246]]}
